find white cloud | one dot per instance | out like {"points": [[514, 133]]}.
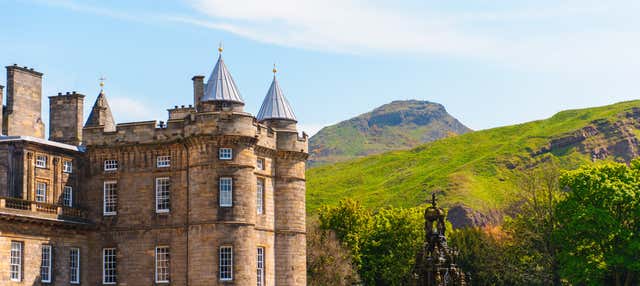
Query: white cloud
{"points": [[535, 37], [568, 36]]}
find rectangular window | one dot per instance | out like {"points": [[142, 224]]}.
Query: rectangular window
{"points": [[226, 263], [16, 261], [41, 161], [226, 192], [45, 264], [260, 164], [74, 265], [163, 161], [225, 154], [110, 198], [67, 167], [260, 264], [67, 196], [110, 165], [41, 192], [260, 197], [162, 264], [162, 195], [109, 266]]}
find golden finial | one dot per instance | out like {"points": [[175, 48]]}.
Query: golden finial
{"points": [[102, 79], [220, 48], [275, 70]]}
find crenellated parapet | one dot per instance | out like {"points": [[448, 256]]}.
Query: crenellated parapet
{"points": [[193, 124]]}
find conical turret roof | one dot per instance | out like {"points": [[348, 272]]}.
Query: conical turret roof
{"points": [[101, 114], [220, 86], [275, 105]]}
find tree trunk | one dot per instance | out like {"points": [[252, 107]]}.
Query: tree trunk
{"points": [[629, 279]]}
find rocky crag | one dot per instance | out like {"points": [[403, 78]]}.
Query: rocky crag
{"points": [[394, 126]]}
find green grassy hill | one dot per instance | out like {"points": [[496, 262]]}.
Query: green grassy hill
{"points": [[478, 169], [399, 125]]}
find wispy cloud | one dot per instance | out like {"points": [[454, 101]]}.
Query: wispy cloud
{"points": [[566, 36], [534, 37]]}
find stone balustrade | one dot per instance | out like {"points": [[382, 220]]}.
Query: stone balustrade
{"points": [[18, 206]]}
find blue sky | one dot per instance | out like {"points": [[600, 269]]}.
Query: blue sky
{"points": [[491, 63]]}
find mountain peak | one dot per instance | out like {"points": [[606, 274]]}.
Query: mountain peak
{"points": [[401, 124]]}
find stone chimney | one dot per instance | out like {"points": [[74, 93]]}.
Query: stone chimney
{"points": [[65, 118], [1, 108], [24, 102], [198, 90]]}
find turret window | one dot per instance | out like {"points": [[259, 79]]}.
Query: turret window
{"points": [[163, 161], [260, 266], [67, 167], [110, 204], [226, 192], [41, 161], [110, 165], [225, 154], [260, 164], [162, 195], [226, 263], [260, 197]]}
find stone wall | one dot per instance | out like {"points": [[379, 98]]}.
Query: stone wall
{"points": [[33, 236]]}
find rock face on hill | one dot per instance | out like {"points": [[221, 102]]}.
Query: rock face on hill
{"points": [[478, 172], [394, 126]]}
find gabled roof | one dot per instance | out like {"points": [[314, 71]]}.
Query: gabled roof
{"points": [[220, 86], [101, 114], [275, 105]]}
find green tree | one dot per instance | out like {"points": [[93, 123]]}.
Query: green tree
{"points": [[383, 244], [389, 250], [351, 223], [329, 262], [600, 224], [533, 252]]}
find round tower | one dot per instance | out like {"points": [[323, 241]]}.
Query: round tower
{"points": [[289, 187], [222, 184]]}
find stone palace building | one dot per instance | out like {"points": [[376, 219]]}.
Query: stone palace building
{"points": [[212, 196]]}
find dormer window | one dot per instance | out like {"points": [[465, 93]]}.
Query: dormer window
{"points": [[225, 154], [67, 167], [110, 165], [163, 161], [260, 163], [41, 161]]}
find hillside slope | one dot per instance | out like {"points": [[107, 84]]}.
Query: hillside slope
{"points": [[477, 170], [395, 126]]}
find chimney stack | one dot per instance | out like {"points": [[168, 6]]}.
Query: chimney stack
{"points": [[65, 118], [24, 102], [198, 90], [1, 109]]}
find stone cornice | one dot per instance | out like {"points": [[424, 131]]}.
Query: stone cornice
{"points": [[292, 155]]}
